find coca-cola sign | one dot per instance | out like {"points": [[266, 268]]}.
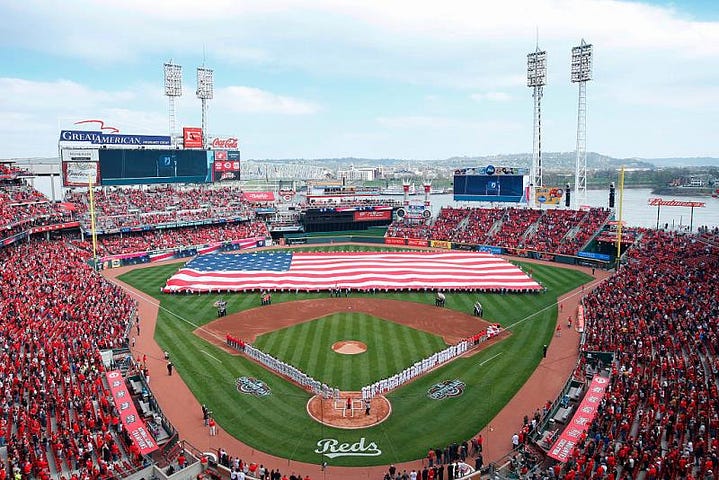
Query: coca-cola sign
{"points": [[230, 142]]}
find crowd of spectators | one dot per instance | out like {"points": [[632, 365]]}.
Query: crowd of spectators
{"points": [[130, 207], [11, 170], [409, 229], [660, 415], [22, 207], [479, 225], [151, 240], [514, 228], [57, 314], [710, 235], [587, 227], [447, 222], [553, 231]]}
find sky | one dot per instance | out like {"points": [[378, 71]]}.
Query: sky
{"points": [[365, 78]]}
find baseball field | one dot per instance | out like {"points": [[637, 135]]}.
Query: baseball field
{"points": [[277, 421]]}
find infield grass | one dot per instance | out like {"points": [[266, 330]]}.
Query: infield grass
{"points": [[279, 424], [390, 348]]}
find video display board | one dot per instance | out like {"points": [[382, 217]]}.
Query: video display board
{"points": [[130, 167], [226, 165], [490, 184]]}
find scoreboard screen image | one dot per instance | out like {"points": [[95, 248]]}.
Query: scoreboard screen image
{"points": [[128, 167], [489, 188]]}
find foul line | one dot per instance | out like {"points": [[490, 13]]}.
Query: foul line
{"points": [[491, 358], [213, 357], [578, 291], [154, 302]]}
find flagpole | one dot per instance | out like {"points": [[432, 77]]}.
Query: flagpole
{"points": [[619, 225], [92, 223]]}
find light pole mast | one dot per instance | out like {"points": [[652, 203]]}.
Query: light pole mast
{"points": [[173, 89], [537, 79], [581, 74], [205, 88]]}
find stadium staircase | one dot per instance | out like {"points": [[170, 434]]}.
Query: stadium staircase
{"points": [[497, 226], [594, 235]]}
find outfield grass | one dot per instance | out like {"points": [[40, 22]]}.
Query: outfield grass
{"points": [[390, 348], [279, 424]]}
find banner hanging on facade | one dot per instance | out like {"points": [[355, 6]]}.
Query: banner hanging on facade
{"points": [[128, 413], [587, 410]]}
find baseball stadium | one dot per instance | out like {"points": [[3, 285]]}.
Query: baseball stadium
{"points": [[177, 315], [167, 321]]}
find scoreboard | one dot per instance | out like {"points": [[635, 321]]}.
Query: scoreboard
{"points": [[119, 159], [491, 184]]}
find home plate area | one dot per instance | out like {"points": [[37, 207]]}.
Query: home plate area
{"points": [[348, 410]]}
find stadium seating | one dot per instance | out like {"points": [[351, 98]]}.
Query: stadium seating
{"points": [[551, 231], [658, 315], [659, 419], [178, 237], [57, 314], [130, 207]]}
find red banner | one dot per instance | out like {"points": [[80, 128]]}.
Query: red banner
{"points": [[220, 155], [192, 137], [368, 216], [57, 226], [128, 413], [258, 196], [587, 410], [395, 241], [417, 242]]}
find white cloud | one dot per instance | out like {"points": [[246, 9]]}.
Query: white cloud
{"points": [[441, 122], [491, 97], [255, 100]]}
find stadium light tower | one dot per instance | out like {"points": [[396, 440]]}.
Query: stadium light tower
{"points": [[537, 79], [173, 89], [581, 74], [205, 86]]}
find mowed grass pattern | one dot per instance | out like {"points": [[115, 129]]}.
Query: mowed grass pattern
{"points": [[390, 348], [279, 424]]}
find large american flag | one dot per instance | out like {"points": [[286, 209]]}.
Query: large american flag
{"points": [[355, 270]]}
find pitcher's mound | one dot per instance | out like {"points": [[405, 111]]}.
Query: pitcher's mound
{"points": [[349, 411], [349, 347]]}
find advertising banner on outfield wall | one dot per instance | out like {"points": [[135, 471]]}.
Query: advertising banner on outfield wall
{"points": [[135, 426], [417, 242], [440, 244], [395, 241], [79, 166], [586, 411], [368, 216]]}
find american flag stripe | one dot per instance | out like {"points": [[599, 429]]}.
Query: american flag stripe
{"points": [[359, 271]]}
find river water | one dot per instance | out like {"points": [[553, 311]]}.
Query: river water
{"points": [[636, 211]]}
